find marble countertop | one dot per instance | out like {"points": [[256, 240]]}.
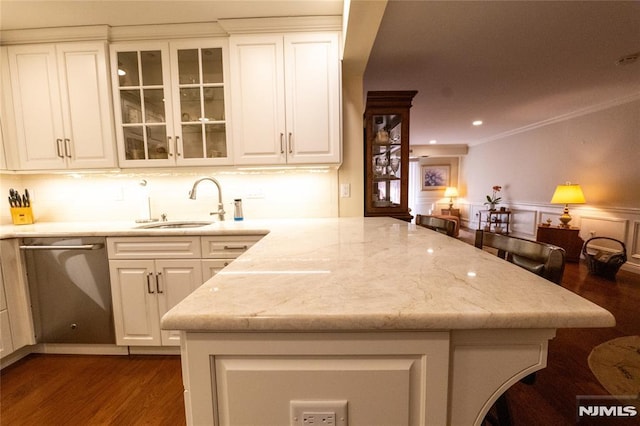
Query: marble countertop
{"points": [[372, 274], [131, 229]]}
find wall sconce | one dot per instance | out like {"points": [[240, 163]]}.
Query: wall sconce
{"points": [[451, 192], [567, 194]]}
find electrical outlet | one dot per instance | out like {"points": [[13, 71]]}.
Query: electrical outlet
{"points": [[319, 413], [321, 419], [255, 193]]}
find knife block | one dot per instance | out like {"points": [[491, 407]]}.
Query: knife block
{"points": [[21, 215]]}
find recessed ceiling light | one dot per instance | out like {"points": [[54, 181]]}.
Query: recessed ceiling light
{"points": [[477, 123], [433, 141]]}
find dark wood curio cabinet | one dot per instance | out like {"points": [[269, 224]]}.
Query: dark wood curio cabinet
{"points": [[386, 158]]}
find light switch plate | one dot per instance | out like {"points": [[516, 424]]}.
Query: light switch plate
{"points": [[345, 190]]}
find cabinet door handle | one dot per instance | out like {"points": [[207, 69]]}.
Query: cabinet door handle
{"points": [[290, 144], [170, 145], [59, 148], [244, 247], [178, 150], [149, 283], [67, 147], [158, 283], [281, 143]]}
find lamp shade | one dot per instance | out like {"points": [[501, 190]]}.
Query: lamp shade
{"points": [[451, 191], [568, 194]]}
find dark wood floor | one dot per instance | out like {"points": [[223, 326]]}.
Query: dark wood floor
{"points": [[75, 390], [551, 400], [147, 390]]}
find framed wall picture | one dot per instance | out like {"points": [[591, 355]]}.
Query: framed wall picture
{"points": [[435, 177]]}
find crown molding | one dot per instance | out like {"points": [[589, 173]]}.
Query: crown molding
{"points": [[222, 28], [444, 150], [57, 34], [281, 24], [574, 114], [166, 31]]}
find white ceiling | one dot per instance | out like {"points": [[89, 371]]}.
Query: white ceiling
{"points": [[515, 65], [18, 14]]}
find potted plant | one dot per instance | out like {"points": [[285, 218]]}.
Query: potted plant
{"points": [[493, 200]]}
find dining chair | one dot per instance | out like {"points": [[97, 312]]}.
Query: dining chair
{"points": [[444, 226], [542, 259]]}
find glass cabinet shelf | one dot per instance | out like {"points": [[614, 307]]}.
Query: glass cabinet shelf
{"points": [[170, 99]]}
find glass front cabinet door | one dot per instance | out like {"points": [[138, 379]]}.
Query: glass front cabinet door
{"points": [[386, 121], [170, 103]]}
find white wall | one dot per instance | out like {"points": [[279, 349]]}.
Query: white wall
{"points": [[431, 201], [600, 151]]}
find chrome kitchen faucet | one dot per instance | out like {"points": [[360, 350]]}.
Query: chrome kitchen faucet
{"points": [[192, 195]]}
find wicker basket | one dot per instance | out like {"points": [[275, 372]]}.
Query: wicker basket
{"points": [[605, 263]]}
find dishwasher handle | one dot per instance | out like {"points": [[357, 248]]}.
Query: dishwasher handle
{"points": [[97, 246]]}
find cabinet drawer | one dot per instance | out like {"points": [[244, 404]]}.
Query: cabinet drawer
{"points": [[183, 247], [227, 247]]}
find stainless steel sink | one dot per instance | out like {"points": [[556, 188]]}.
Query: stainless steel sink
{"points": [[175, 224]]}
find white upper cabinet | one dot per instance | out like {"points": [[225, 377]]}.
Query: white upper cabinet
{"points": [[286, 98], [62, 106], [170, 103]]}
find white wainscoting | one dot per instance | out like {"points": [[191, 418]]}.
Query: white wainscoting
{"points": [[635, 242], [594, 226], [623, 224]]}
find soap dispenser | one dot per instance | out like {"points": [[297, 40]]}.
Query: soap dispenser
{"points": [[237, 209]]}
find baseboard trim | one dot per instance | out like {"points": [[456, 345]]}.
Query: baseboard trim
{"points": [[80, 349]]}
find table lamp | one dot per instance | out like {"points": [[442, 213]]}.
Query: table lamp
{"points": [[451, 192], [567, 194]]}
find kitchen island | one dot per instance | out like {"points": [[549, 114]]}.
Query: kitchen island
{"points": [[400, 324]]}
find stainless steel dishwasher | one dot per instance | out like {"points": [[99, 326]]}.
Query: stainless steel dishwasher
{"points": [[70, 289]]}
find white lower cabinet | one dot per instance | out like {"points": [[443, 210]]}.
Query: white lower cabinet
{"points": [[6, 343], [210, 267], [143, 291], [150, 275], [16, 321], [394, 377], [259, 378]]}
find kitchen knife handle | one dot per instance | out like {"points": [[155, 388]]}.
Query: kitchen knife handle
{"points": [[149, 283], [59, 148], [67, 147], [158, 283]]}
